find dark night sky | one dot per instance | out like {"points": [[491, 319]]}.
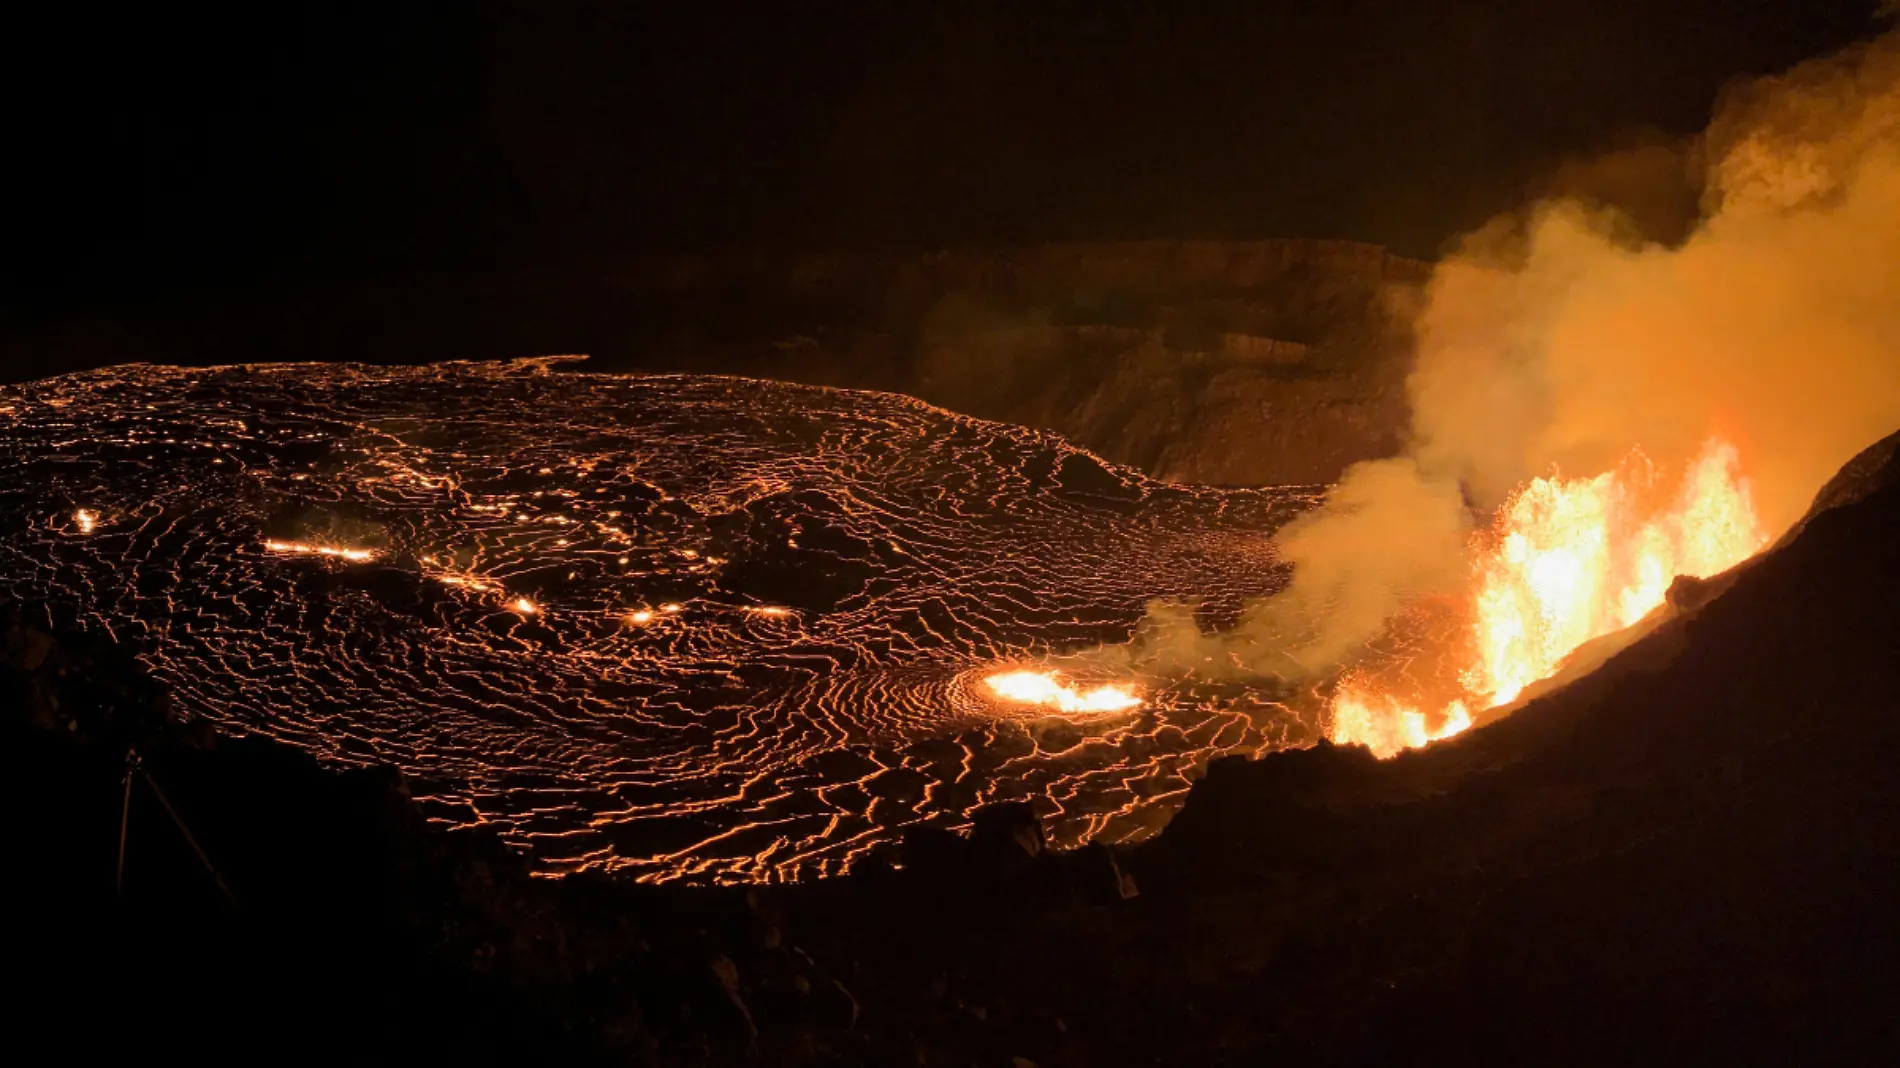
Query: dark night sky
{"points": [[164, 151]]}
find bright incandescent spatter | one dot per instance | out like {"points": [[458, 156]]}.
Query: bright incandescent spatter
{"points": [[686, 627]]}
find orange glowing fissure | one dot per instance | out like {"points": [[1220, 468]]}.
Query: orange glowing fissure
{"points": [[1049, 691], [302, 548], [1569, 560]]}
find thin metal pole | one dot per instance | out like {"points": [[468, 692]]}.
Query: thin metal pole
{"points": [[189, 840], [125, 816]]}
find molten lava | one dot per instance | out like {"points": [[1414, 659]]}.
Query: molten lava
{"points": [[300, 548], [1569, 560], [1385, 724], [1048, 690], [575, 625]]}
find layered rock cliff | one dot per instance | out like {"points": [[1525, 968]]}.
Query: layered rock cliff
{"points": [[1266, 362]]}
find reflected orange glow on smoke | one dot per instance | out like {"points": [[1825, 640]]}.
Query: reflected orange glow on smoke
{"points": [[1569, 560], [1049, 691]]}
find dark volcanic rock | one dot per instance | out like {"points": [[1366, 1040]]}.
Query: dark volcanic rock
{"points": [[1219, 362], [1010, 829], [1875, 468], [1233, 363]]}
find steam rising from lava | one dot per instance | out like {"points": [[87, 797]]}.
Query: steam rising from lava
{"points": [[1743, 366], [1554, 341]]}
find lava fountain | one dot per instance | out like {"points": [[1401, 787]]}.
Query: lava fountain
{"points": [[1569, 560], [1560, 337]]}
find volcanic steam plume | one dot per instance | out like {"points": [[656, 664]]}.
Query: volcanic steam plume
{"points": [[1629, 411]]}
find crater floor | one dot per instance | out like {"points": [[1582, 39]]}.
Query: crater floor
{"points": [[697, 628]]}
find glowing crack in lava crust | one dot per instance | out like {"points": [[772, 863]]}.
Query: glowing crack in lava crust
{"points": [[1570, 560], [1048, 690], [683, 627]]}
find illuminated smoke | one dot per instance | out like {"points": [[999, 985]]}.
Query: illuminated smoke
{"points": [[1555, 343]]}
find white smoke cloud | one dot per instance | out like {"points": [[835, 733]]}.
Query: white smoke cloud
{"points": [[1556, 339]]}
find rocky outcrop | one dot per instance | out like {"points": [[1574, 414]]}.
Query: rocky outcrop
{"points": [[1270, 362]]}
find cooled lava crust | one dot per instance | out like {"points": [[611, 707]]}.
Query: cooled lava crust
{"points": [[697, 628]]}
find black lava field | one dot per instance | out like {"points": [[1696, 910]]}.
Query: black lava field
{"points": [[686, 628]]}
